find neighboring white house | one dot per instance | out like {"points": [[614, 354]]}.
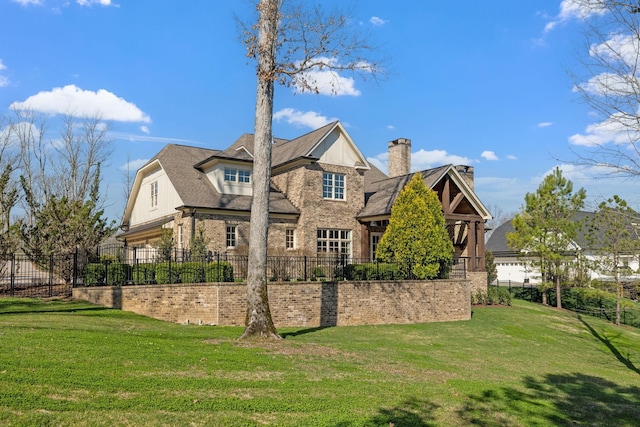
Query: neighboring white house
{"points": [[512, 265]]}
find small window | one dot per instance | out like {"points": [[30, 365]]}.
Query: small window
{"points": [[154, 194], [231, 236], [244, 176], [230, 174], [290, 235], [333, 186]]}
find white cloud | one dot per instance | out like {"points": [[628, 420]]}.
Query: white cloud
{"points": [[511, 157], [576, 9], [309, 119], [145, 129], [134, 165], [327, 81], [132, 137], [391, 127], [619, 129], [3, 79], [489, 155], [377, 21], [544, 124], [28, 2], [422, 159], [84, 103], [89, 3]]}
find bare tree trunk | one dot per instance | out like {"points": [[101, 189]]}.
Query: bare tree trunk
{"points": [[558, 294], [258, 319]]}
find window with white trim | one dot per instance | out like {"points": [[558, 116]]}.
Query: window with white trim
{"points": [[237, 175], [230, 175], [232, 236], [290, 238], [334, 241], [244, 176], [333, 186], [154, 194]]}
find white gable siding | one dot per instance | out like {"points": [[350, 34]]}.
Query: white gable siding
{"points": [[216, 176], [168, 199], [335, 149]]}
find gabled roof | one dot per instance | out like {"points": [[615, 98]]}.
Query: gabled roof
{"points": [[497, 243], [381, 194], [192, 185], [302, 146]]}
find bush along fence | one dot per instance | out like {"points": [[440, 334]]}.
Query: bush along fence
{"points": [[121, 266], [583, 300]]}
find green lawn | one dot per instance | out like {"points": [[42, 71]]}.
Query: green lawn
{"points": [[75, 364]]}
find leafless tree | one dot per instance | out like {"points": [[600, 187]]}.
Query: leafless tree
{"points": [[499, 218], [66, 166], [289, 41], [608, 81]]}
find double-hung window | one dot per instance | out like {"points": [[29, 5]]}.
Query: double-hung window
{"points": [[290, 238], [231, 236], [154, 194], [333, 186]]}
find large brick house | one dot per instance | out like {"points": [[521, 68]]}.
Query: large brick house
{"points": [[325, 197]]}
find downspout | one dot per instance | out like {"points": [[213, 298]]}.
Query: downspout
{"points": [[193, 224]]}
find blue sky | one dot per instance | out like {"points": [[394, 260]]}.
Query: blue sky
{"points": [[482, 83]]}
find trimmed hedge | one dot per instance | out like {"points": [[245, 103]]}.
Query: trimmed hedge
{"points": [[94, 274], [373, 271], [167, 272], [219, 271], [118, 274], [192, 272], [144, 273]]}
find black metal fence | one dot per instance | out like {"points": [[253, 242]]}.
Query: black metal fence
{"points": [[51, 276], [55, 276], [587, 301]]}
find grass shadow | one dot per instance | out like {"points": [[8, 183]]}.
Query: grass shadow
{"points": [[556, 399], [412, 412], [303, 331], [626, 361], [14, 306]]}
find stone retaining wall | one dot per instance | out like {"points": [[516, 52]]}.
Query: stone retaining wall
{"points": [[294, 304]]}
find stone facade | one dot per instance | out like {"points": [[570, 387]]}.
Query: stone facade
{"points": [[294, 304], [303, 187]]}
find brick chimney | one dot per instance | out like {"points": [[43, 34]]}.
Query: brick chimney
{"points": [[399, 157], [467, 174]]}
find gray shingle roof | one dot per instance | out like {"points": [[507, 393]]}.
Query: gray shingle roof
{"points": [[380, 195], [284, 151], [497, 243], [195, 189]]}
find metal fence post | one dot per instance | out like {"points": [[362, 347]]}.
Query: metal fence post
{"points": [[13, 274], [305, 268], [50, 275]]}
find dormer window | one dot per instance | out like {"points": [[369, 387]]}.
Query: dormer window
{"points": [[230, 175], [244, 176], [237, 175], [333, 186]]}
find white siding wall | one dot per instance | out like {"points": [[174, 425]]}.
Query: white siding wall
{"points": [[168, 199], [336, 150]]}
